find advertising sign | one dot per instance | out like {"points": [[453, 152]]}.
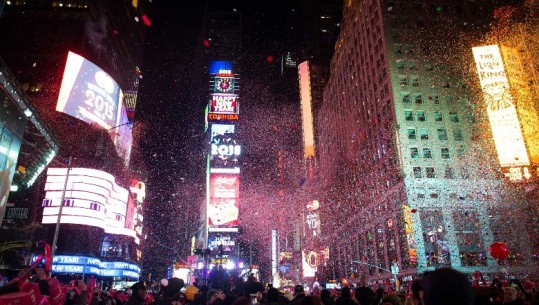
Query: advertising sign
{"points": [[309, 263], [88, 93], [501, 110], [225, 149], [225, 242], [224, 103], [409, 230], [223, 207], [122, 135], [312, 219], [92, 198], [220, 67], [93, 266]]}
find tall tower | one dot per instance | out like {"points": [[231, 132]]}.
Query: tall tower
{"points": [[409, 170]]}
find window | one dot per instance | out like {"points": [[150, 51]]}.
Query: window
{"points": [[46, 203], [412, 65], [427, 153], [405, 97], [449, 174], [424, 133], [420, 115], [430, 172], [403, 80], [408, 115], [69, 202], [460, 152], [438, 116], [411, 133], [415, 80], [457, 134], [94, 206], [398, 48], [435, 98], [453, 117], [442, 134], [417, 172], [400, 64], [414, 152], [445, 153], [417, 98]]}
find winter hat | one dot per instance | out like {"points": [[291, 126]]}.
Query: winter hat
{"points": [[174, 287], [190, 293]]}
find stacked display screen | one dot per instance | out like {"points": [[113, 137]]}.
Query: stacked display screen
{"points": [[91, 95], [224, 155]]}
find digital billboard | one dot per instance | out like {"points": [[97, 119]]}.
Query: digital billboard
{"points": [[224, 103], [501, 109], [222, 241], [312, 219], [309, 263], [122, 135], [92, 198], [93, 266], [88, 93], [225, 150], [220, 67], [409, 231], [223, 207]]}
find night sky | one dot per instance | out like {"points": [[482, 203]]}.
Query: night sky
{"points": [[170, 114]]}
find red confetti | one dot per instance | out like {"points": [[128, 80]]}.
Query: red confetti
{"points": [[115, 32], [146, 20], [206, 43], [413, 210], [269, 58]]}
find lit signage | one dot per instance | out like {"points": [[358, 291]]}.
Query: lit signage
{"points": [[309, 263], [501, 110], [409, 230], [224, 103], [88, 93], [224, 148], [222, 117], [306, 109], [92, 198], [223, 207], [227, 242], [220, 67], [93, 266]]}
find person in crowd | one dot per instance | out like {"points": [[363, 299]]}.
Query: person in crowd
{"points": [[446, 286], [417, 292], [510, 296], [171, 292], [200, 298], [364, 296], [137, 296], [346, 297], [310, 300], [326, 298], [252, 286], [215, 297], [378, 295], [272, 297], [391, 299], [299, 294], [190, 293]]}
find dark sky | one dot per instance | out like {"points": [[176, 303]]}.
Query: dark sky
{"points": [[169, 116]]}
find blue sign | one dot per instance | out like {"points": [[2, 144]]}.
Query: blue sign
{"points": [[93, 266], [220, 67]]}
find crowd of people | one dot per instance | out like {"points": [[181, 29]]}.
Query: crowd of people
{"points": [[441, 287]]}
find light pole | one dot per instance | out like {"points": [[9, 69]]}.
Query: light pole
{"points": [[57, 229]]}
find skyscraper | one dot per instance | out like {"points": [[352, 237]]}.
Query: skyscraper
{"points": [[407, 166]]}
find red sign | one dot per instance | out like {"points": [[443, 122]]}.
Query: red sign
{"points": [[224, 186]]}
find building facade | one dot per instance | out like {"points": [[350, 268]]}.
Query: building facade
{"points": [[402, 133]]}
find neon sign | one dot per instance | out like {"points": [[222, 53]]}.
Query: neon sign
{"points": [[224, 103]]}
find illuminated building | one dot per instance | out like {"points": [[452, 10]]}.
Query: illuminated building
{"points": [[406, 157], [76, 39]]}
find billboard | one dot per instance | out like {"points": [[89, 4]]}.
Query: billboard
{"points": [[224, 103], [306, 109], [223, 241], [501, 109], [223, 207], [123, 135], [409, 231], [220, 67], [225, 149], [93, 266], [88, 93], [309, 263], [92, 198], [312, 219]]}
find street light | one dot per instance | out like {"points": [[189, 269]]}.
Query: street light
{"points": [[57, 229]]}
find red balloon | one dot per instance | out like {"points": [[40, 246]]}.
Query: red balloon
{"points": [[499, 250]]}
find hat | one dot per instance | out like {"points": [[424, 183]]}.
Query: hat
{"points": [[211, 293], [174, 287], [298, 289], [137, 286], [190, 292]]}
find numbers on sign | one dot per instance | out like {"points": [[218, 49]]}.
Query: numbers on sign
{"points": [[100, 107]]}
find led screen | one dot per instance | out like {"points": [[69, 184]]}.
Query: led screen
{"points": [[409, 231], [92, 198], [309, 263], [226, 240], [220, 67], [225, 150], [92, 266], [501, 110], [88, 93], [223, 207], [123, 136], [224, 103]]}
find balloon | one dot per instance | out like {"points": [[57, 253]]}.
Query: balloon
{"points": [[499, 250]]}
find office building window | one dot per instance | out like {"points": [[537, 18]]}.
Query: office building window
{"points": [[430, 172], [424, 133], [460, 152], [408, 115], [421, 115], [435, 98], [403, 80], [417, 98], [449, 174], [442, 134], [417, 172], [414, 152], [453, 117], [427, 153], [405, 97], [400, 64], [438, 116], [445, 153], [457, 134], [415, 80], [411, 133], [46, 203]]}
